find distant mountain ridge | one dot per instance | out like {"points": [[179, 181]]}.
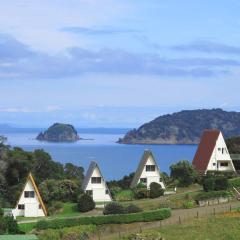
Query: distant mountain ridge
{"points": [[184, 127]]}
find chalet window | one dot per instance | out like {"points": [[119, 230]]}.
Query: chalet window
{"points": [[214, 164], [96, 180], [21, 206], [219, 149], [143, 180], [29, 194], [150, 168], [40, 206], [222, 150], [224, 164], [106, 192], [160, 179], [89, 192]]}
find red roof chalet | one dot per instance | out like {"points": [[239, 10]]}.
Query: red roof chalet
{"points": [[205, 149]]}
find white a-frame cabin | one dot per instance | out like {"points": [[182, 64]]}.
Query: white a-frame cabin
{"points": [[95, 185], [147, 171], [212, 153], [30, 203]]}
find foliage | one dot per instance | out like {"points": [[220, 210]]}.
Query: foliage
{"points": [[141, 185], [149, 216], [233, 145], [54, 207], [59, 190], [215, 183], [1, 212], [189, 204], [132, 209], [8, 225], [211, 195], [78, 232], [85, 203], [183, 172], [140, 193], [113, 208], [125, 195], [15, 164], [156, 190], [123, 183], [234, 182]]}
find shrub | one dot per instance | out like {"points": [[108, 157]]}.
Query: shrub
{"points": [[55, 207], [215, 183], [85, 203], [141, 193], [209, 184], [11, 225], [221, 183], [1, 212], [113, 208], [141, 185], [189, 204], [133, 209], [211, 195], [234, 182], [155, 215], [125, 195], [156, 190]]}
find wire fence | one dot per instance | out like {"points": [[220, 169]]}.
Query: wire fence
{"points": [[178, 217]]}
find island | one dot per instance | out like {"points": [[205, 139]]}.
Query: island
{"points": [[184, 127], [59, 132]]}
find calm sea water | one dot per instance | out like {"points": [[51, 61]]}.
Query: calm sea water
{"points": [[115, 160]]}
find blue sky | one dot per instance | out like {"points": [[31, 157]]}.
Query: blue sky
{"points": [[116, 63]]}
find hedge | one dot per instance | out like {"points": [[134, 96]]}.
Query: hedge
{"points": [[211, 195], [148, 216], [234, 182]]}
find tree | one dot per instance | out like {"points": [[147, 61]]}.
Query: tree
{"points": [[156, 190], [183, 172], [85, 203], [73, 172], [123, 183]]}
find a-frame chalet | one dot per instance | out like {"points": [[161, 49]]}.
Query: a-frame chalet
{"points": [[30, 203], [95, 185], [212, 153], [147, 171]]}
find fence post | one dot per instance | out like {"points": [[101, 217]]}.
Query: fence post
{"points": [[179, 219], [230, 208], [160, 223], [197, 214], [140, 229]]}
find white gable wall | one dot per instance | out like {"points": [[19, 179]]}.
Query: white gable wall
{"points": [[220, 155], [31, 204], [151, 176], [98, 189]]}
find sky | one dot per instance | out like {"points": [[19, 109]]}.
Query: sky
{"points": [[116, 63]]}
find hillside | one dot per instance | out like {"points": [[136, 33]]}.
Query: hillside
{"points": [[59, 132], [184, 127]]}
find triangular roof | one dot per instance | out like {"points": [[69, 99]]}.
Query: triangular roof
{"points": [[88, 176], [31, 179], [142, 163], [205, 149]]}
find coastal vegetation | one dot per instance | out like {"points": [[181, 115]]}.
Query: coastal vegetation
{"points": [[184, 127]]}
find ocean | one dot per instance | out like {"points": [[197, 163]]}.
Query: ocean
{"points": [[115, 160]]}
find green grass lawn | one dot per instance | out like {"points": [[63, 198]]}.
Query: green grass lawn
{"points": [[219, 228]]}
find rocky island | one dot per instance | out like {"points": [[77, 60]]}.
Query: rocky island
{"points": [[184, 127], [59, 132]]}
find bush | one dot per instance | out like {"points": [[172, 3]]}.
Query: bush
{"points": [[133, 209], [1, 212], [234, 182], [215, 183], [209, 184], [54, 207], [221, 183], [113, 208], [156, 190], [189, 204], [85, 203], [141, 193], [211, 195], [11, 225], [125, 195], [149, 216]]}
